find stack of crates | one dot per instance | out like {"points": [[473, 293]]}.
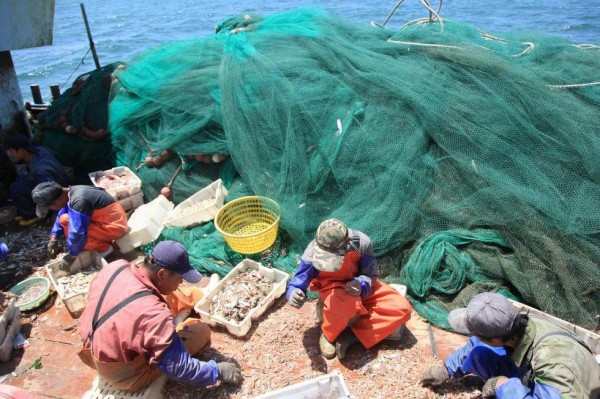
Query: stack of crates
{"points": [[129, 195]]}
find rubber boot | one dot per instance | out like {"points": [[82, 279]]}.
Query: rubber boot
{"points": [[327, 348], [344, 341]]}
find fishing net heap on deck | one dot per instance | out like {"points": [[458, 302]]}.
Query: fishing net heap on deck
{"points": [[461, 155], [75, 125]]}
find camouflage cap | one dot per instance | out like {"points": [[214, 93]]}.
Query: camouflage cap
{"points": [[329, 249]]}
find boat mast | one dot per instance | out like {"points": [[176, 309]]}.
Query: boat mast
{"points": [[89, 34]]}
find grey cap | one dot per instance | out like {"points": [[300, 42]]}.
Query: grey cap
{"points": [[44, 195], [488, 315]]}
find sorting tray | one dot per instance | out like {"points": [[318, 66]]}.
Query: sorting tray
{"points": [[123, 191], [279, 279], [75, 302], [200, 207], [329, 386]]}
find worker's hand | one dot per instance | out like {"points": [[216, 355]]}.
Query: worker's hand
{"points": [[52, 248], [353, 287], [229, 373], [66, 262], [489, 388], [297, 298], [435, 375]]}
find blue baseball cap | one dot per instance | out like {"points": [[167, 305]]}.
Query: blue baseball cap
{"points": [[173, 256]]}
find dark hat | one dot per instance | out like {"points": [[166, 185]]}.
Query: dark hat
{"points": [[17, 141], [44, 194], [488, 315], [173, 256]]}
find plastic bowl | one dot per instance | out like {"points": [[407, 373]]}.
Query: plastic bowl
{"points": [[38, 299]]}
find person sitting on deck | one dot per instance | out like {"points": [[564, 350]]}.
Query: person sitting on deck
{"points": [[41, 167], [129, 327], [340, 265], [519, 356], [89, 217]]}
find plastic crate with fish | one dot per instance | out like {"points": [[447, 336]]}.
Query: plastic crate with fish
{"points": [[243, 295], [122, 184], [72, 288], [328, 386], [103, 390], [200, 207]]}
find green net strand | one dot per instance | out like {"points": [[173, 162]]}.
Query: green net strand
{"points": [[403, 134]]}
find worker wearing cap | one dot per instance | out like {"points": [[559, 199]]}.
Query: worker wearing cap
{"points": [[89, 217], [519, 356], [133, 345], [340, 265], [41, 167]]}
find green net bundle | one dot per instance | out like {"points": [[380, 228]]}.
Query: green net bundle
{"points": [[470, 160], [75, 125]]}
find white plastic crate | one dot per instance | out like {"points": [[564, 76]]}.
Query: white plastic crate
{"points": [[12, 329], [75, 302], [123, 191], [145, 224], [279, 279], [7, 316], [200, 207], [103, 390], [328, 386]]}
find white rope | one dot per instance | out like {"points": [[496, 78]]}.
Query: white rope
{"points": [[586, 46], [574, 85], [422, 44]]}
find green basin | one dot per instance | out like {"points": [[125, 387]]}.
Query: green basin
{"points": [[36, 300]]}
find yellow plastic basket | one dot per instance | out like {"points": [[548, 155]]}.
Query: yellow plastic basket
{"points": [[249, 224]]}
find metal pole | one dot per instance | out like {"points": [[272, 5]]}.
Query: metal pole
{"points": [[89, 33]]}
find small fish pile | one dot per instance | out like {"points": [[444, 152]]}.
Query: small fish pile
{"points": [[30, 293], [240, 295], [27, 250], [77, 283], [114, 182], [195, 207]]}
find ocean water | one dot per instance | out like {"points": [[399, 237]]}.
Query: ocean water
{"points": [[123, 28]]}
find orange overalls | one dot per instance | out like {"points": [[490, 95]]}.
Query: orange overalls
{"points": [[379, 314], [106, 225]]}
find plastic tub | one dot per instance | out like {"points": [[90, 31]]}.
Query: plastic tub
{"points": [[75, 301], [39, 299], [249, 224], [145, 224], [199, 208], [131, 186], [240, 328], [329, 386]]}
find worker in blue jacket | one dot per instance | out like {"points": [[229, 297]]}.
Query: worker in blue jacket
{"points": [[89, 217], [41, 166], [518, 356]]}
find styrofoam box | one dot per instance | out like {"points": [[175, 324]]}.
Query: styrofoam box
{"points": [[200, 207], [103, 390], [397, 335], [12, 328], [279, 279], [145, 224], [328, 386], [119, 192], [133, 201], [75, 303], [7, 316]]}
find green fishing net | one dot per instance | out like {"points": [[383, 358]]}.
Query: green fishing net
{"points": [[470, 160], [75, 125]]}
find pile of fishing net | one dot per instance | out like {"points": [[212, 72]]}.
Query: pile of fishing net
{"points": [[75, 125], [471, 161]]}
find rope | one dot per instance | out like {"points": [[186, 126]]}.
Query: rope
{"points": [[433, 14], [77, 67], [392, 13], [423, 44], [574, 85]]}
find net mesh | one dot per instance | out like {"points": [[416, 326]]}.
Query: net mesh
{"points": [[461, 155]]}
